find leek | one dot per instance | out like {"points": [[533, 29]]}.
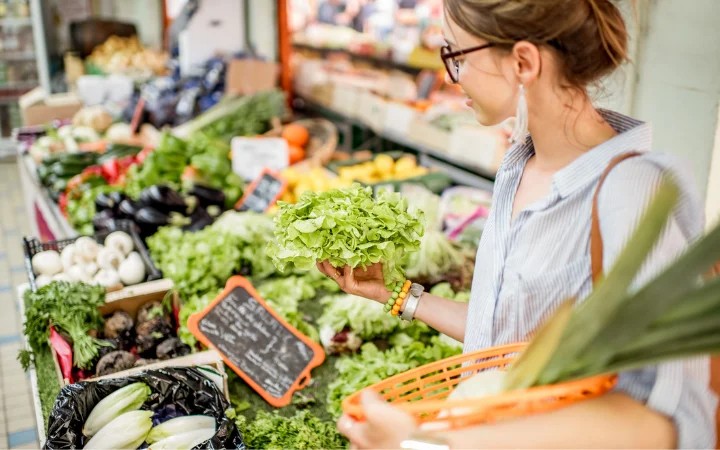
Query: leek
{"points": [[126, 431], [129, 398]]}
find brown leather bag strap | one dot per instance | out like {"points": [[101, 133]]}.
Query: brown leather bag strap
{"points": [[596, 244]]}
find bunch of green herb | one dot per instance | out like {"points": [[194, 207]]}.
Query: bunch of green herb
{"points": [[71, 308], [301, 431], [346, 227], [371, 366]]}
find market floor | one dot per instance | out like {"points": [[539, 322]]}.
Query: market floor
{"points": [[17, 417]]}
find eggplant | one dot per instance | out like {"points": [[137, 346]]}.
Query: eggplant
{"points": [[104, 202], [163, 199], [199, 219], [104, 220], [117, 198], [149, 216], [208, 196], [128, 208]]}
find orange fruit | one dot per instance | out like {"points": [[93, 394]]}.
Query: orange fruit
{"points": [[296, 153], [296, 135]]}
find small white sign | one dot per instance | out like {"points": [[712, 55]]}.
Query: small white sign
{"points": [[251, 155]]}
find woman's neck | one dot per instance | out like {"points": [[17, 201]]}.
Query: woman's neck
{"points": [[561, 134]]}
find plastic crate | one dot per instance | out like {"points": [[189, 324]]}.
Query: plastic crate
{"points": [[33, 246]]}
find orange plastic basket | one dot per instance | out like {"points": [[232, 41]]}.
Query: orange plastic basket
{"points": [[421, 392]]}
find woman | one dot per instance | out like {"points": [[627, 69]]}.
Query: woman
{"points": [[534, 59]]}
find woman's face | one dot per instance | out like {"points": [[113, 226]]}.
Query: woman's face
{"points": [[484, 76]]}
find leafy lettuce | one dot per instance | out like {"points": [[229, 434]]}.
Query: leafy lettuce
{"points": [[347, 227]]}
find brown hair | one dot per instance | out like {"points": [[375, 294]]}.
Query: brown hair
{"points": [[588, 35]]}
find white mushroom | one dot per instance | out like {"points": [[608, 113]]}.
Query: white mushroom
{"points": [[90, 268], [68, 256], [77, 273], [43, 280], [107, 278], [86, 248]]}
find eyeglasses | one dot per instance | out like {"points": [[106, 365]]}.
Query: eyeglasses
{"points": [[451, 64]]}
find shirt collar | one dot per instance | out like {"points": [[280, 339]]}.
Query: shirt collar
{"points": [[633, 135]]}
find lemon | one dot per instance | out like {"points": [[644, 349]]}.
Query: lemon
{"points": [[384, 165], [405, 164]]}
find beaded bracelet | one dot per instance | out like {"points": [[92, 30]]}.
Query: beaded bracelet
{"points": [[397, 297]]}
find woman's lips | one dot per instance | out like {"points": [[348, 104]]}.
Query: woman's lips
{"points": [[469, 102]]}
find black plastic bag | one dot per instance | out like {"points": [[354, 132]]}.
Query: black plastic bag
{"points": [[175, 392]]}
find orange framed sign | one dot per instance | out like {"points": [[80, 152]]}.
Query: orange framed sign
{"points": [[263, 192], [268, 353]]}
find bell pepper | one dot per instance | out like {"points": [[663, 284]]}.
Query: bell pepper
{"points": [[63, 203], [111, 170], [143, 154]]}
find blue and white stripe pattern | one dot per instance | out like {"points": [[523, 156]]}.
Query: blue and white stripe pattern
{"points": [[526, 268]]}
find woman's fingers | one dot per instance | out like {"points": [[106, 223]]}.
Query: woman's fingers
{"points": [[357, 433], [348, 278], [321, 267]]}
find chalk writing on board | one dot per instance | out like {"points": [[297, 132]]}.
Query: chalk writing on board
{"points": [[256, 342], [264, 193]]}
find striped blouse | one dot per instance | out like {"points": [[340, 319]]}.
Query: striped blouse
{"points": [[526, 267]]}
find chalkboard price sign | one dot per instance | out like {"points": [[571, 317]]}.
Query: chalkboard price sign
{"points": [[274, 358], [262, 193]]}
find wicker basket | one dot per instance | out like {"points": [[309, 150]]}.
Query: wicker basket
{"points": [[422, 392], [323, 139]]}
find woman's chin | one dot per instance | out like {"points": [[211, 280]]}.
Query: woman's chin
{"points": [[486, 120]]}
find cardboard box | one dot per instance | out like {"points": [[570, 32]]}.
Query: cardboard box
{"points": [[38, 109], [247, 76]]}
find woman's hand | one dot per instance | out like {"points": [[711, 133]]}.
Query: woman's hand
{"points": [[368, 283], [386, 427]]}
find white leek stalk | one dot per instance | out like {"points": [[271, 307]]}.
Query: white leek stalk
{"points": [[129, 398], [184, 441], [127, 431], [180, 425]]}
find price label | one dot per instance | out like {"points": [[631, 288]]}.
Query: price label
{"points": [[268, 353], [251, 155], [262, 193]]}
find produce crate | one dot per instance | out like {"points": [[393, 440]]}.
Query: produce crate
{"points": [[33, 246], [148, 292], [433, 181]]}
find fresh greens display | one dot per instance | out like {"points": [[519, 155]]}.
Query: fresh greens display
{"points": [[238, 116], [284, 296], [203, 261], [302, 431], [445, 290], [371, 366], [347, 227], [71, 308], [437, 257]]}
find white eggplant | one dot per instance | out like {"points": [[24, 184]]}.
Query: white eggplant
{"points": [[120, 240], [132, 270], [107, 278], [77, 273], [129, 398], [43, 280], [86, 248], [180, 425], [109, 258], [47, 263], [68, 257], [184, 441], [128, 431]]}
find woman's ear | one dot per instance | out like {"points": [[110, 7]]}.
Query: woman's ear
{"points": [[526, 62]]}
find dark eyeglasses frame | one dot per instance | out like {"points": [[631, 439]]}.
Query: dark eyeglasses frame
{"points": [[452, 66]]}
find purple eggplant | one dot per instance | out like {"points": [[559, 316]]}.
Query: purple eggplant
{"points": [[163, 199], [128, 208], [104, 220], [199, 219], [150, 216], [208, 196]]}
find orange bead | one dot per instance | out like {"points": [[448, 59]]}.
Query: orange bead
{"points": [[402, 295], [396, 307], [399, 301], [408, 283], [394, 312]]}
